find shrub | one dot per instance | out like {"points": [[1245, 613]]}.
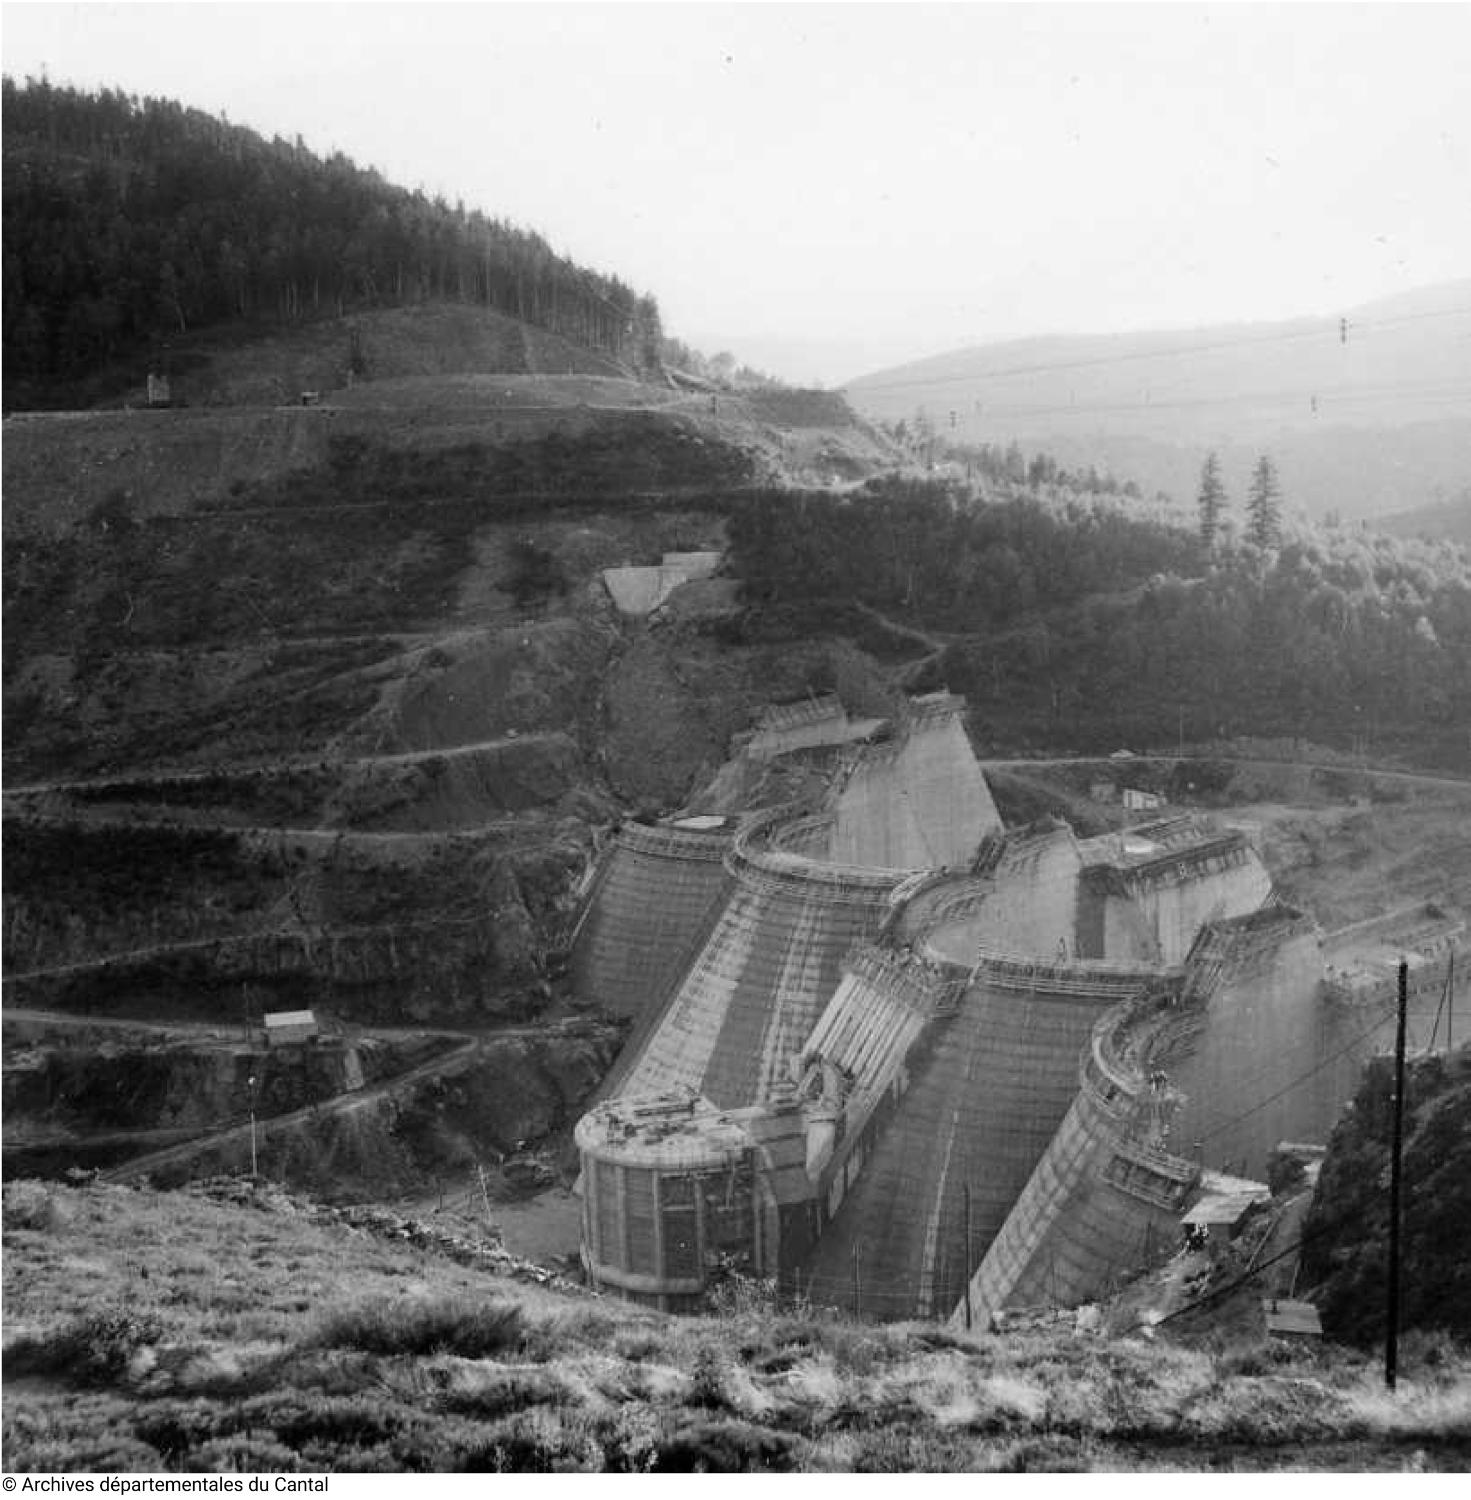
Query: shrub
{"points": [[94, 1349], [242, 1453], [450, 1325], [541, 1441], [726, 1447], [34, 1205], [630, 1440]]}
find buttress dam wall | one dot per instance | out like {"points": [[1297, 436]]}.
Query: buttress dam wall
{"points": [[1105, 1197], [893, 1048], [655, 893], [757, 986]]}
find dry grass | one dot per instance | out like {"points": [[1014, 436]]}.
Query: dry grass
{"points": [[171, 1331]]}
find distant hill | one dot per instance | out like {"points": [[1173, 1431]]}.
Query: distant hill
{"points": [[1364, 418], [1449, 521], [132, 225]]}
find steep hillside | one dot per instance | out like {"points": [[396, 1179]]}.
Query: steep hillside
{"points": [[1346, 1234], [1362, 420], [325, 706], [233, 1329], [131, 228]]}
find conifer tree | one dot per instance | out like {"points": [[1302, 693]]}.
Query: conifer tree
{"points": [[1264, 505], [1211, 502]]}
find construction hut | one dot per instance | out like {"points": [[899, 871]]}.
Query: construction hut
{"points": [[1221, 1212], [285, 1027]]}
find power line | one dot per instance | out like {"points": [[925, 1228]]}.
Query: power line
{"points": [[1312, 1072], [1328, 332], [1307, 1238], [1294, 1083], [1426, 392]]}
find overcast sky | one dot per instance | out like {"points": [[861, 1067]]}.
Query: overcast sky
{"points": [[827, 189]]}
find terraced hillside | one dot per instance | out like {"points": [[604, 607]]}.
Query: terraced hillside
{"points": [[324, 707]]}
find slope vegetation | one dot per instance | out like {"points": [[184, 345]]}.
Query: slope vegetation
{"points": [[1347, 1231], [132, 227], [231, 1329]]}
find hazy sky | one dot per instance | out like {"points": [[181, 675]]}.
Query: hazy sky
{"points": [[826, 189]]}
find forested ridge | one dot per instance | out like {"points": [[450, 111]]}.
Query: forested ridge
{"points": [[131, 221], [1071, 623]]}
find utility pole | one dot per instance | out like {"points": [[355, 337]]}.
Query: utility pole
{"points": [[253, 1165], [1391, 1331], [857, 1286], [967, 1259]]}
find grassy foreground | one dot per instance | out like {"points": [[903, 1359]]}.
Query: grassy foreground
{"points": [[226, 1328]]}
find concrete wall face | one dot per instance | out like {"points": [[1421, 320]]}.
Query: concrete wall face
{"points": [[1073, 1232], [756, 989], [1174, 911], [1266, 1033], [1034, 907], [919, 804], [986, 1092], [1027, 905], [655, 896]]}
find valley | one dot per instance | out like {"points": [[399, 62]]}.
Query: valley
{"points": [[507, 818]]}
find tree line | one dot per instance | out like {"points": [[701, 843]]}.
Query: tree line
{"points": [[1077, 623], [128, 221]]}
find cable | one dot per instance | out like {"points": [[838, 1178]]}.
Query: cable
{"points": [[1240, 1281], [1303, 1239], [1288, 1087], [1445, 995], [1454, 394], [1328, 331]]}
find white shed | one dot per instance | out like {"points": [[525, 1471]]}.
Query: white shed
{"points": [[286, 1026]]}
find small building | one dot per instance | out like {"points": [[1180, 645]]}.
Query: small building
{"points": [[158, 390], [1221, 1211], [1138, 800], [1286, 1319], [1103, 791], [285, 1027]]}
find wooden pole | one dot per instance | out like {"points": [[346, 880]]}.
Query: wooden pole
{"points": [[1391, 1329], [857, 1286], [968, 1268]]}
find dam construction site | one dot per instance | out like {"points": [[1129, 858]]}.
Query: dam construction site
{"points": [[896, 1057], [571, 905], [410, 799], [673, 937]]}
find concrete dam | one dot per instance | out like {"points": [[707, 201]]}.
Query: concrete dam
{"points": [[886, 1051]]}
